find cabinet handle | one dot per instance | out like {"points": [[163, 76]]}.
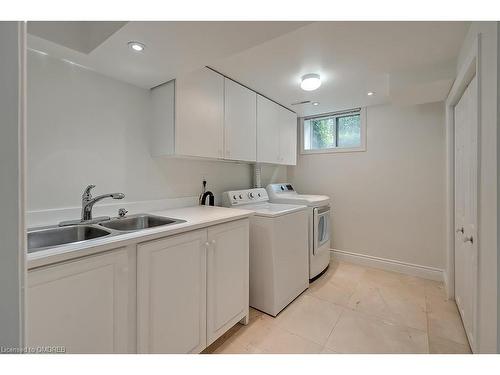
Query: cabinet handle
{"points": [[207, 244], [213, 242], [460, 230], [469, 239]]}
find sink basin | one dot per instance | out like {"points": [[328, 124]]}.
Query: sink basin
{"points": [[49, 237], [138, 222]]}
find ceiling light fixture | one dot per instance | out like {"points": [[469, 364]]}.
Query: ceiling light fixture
{"points": [[136, 46], [310, 82], [370, 93], [315, 103]]}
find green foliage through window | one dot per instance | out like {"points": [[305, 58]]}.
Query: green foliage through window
{"points": [[336, 131]]}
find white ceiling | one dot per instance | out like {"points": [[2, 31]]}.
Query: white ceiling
{"points": [[172, 48], [402, 62], [352, 59]]}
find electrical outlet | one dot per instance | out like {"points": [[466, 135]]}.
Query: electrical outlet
{"points": [[204, 177]]}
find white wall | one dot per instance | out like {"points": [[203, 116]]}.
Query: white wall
{"points": [[389, 201], [85, 128], [488, 188], [12, 264]]}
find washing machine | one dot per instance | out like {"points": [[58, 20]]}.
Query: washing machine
{"points": [[279, 246], [319, 228]]}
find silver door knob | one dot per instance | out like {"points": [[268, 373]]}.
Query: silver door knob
{"points": [[460, 230], [469, 239]]}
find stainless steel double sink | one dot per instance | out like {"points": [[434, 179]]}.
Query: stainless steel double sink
{"points": [[48, 237]]}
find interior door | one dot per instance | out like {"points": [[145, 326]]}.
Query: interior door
{"points": [[466, 166]]}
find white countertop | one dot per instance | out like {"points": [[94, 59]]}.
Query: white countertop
{"points": [[196, 217]]}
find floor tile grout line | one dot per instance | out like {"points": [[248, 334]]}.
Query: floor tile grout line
{"points": [[279, 325], [333, 329]]}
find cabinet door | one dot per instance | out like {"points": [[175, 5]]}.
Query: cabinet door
{"points": [[81, 305], [171, 294], [199, 121], [227, 277], [268, 131], [288, 137], [240, 122], [163, 122]]}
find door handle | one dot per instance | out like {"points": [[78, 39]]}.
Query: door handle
{"points": [[460, 230], [469, 239]]}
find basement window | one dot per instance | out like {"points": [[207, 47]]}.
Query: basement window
{"points": [[334, 132]]}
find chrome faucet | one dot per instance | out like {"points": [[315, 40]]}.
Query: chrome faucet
{"points": [[88, 202]]}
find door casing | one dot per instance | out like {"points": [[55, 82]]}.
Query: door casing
{"points": [[468, 71]]}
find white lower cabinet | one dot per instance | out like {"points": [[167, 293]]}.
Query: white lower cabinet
{"points": [[171, 294], [176, 294], [81, 305], [191, 288], [227, 277]]}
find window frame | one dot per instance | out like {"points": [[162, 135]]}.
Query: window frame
{"points": [[360, 148]]}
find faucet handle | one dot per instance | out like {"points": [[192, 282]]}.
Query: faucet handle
{"points": [[122, 212], [86, 193]]}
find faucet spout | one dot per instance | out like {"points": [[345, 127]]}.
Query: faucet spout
{"points": [[88, 201]]}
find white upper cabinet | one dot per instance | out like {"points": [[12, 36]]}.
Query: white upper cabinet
{"points": [[268, 134], [162, 126], [199, 115], [240, 122], [218, 118], [288, 137], [276, 133]]}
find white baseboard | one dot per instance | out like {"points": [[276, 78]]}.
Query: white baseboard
{"points": [[425, 272]]}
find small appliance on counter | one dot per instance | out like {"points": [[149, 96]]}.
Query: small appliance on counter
{"points": [[319, 223], [279, 269], [206, 195]]}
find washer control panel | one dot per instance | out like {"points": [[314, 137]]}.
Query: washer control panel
{"points": [[239, 197]]}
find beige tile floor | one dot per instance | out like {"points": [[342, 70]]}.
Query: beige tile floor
{"points": [[355, 309]]}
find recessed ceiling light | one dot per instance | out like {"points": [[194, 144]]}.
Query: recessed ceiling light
{"points": [[370, 93], [315, 103], [136, 46], [310, 82]]}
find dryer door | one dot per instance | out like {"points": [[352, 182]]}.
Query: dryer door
{"points": [[321, 227]]}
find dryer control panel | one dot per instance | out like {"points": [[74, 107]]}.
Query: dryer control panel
{"points": [[240, 197], [282, 188]]}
